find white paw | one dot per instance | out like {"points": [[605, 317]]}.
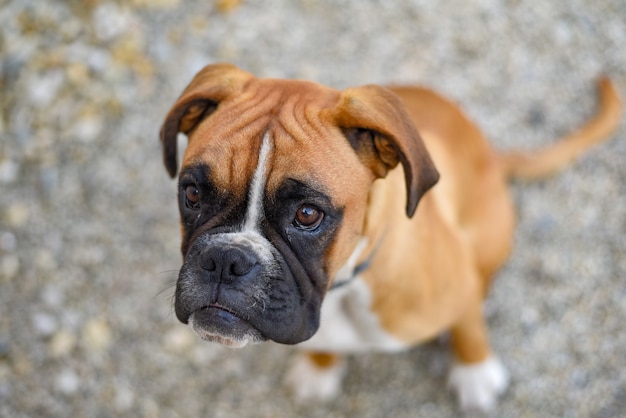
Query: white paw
{"points": [[478, 386], [309, 382]]}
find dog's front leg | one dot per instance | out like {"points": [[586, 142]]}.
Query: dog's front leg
{"points": [[477, 376], [316, 376]]}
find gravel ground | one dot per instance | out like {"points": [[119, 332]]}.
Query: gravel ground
{"points": [[88, 220]]}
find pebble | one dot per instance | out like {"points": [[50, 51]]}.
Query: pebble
{"points": [[5, 390], [52, 296], [67, 382], [96, 335], [8, 242], [124, 397], [95, 58], [226, 6], [530, 316], [17, 214], [178, 340], [45, 260], [21, 363], [71, 319], [9, 171], [77, 73], [87, 128], [44, 89], [5, 386], [204, 354], [9, 266], [110, 21], [4, 346], [90, 255], [44, 324], [62, 343], [157, 4]]}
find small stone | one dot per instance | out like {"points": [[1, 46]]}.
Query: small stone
{"points": [[77, 73], [5, 386], [21, 363], [150, 407], [226, 6], [45, 261], [5, 390], [96, 335], [124, 397], [9, 170], [178, 340], [17, 214], [67, 382], [8, 242], [87, 128], [110, 21], [9, 266], [44, 324], [4, 347], [70, 318], [62, 343], [44, 89], [203, 354], [128, 50], [156, 4], [530, 317], [198, 25], [90, 255], [52, 296]]}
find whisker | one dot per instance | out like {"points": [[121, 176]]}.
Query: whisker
{"points": [[170, 285]]}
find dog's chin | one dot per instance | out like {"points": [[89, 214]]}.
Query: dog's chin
{"points": [[223, 327]]}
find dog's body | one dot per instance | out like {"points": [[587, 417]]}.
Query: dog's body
{"points": [[281, 209]]}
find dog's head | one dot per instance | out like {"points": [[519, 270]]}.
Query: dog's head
{"points": [[273, 190]]}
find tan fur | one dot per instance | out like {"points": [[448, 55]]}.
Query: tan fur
{"points": [[431, 271], [462, 231], [307, 144]]}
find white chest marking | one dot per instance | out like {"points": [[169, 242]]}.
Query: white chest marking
{"points": [[348, 325]]}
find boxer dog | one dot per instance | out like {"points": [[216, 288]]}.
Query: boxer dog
{"points": [[300, 220]]}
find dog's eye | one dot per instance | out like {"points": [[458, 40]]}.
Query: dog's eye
{"points": [[308, 217], [192, 196]]}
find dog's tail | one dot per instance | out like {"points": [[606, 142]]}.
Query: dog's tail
{"points": [[540, 163]]}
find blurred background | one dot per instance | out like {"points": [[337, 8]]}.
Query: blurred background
{"points": [[89, 241]]}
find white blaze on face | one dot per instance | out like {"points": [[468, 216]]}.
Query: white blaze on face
{"points": [[250, 239], [255, 202]]}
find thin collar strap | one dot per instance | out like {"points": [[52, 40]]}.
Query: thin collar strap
{"points": [[358, 269]]}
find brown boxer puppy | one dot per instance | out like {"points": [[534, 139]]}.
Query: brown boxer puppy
{"points": [[300, 220]]}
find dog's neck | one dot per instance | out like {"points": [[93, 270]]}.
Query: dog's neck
{"points": [[352, 268]]}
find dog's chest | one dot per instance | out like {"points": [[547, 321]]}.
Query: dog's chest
{"points": [[348, 324]]}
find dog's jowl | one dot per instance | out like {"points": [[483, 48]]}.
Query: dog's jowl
{"points": [[346, 221]]}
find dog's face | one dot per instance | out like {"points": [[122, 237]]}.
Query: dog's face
{"points": [[273, 193]]}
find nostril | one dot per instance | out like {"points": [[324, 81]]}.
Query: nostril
{"points": [[228, 263], [207, 262], [242, 267]]}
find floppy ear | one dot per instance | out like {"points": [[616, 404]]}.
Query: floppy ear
{"points": [[381, 132], [201, 97]]}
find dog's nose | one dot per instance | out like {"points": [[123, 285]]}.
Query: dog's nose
{"points": [[228, 263]]}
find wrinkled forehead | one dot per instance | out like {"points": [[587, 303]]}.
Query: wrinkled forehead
{"points": [[323, 161], [304, 144]]}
